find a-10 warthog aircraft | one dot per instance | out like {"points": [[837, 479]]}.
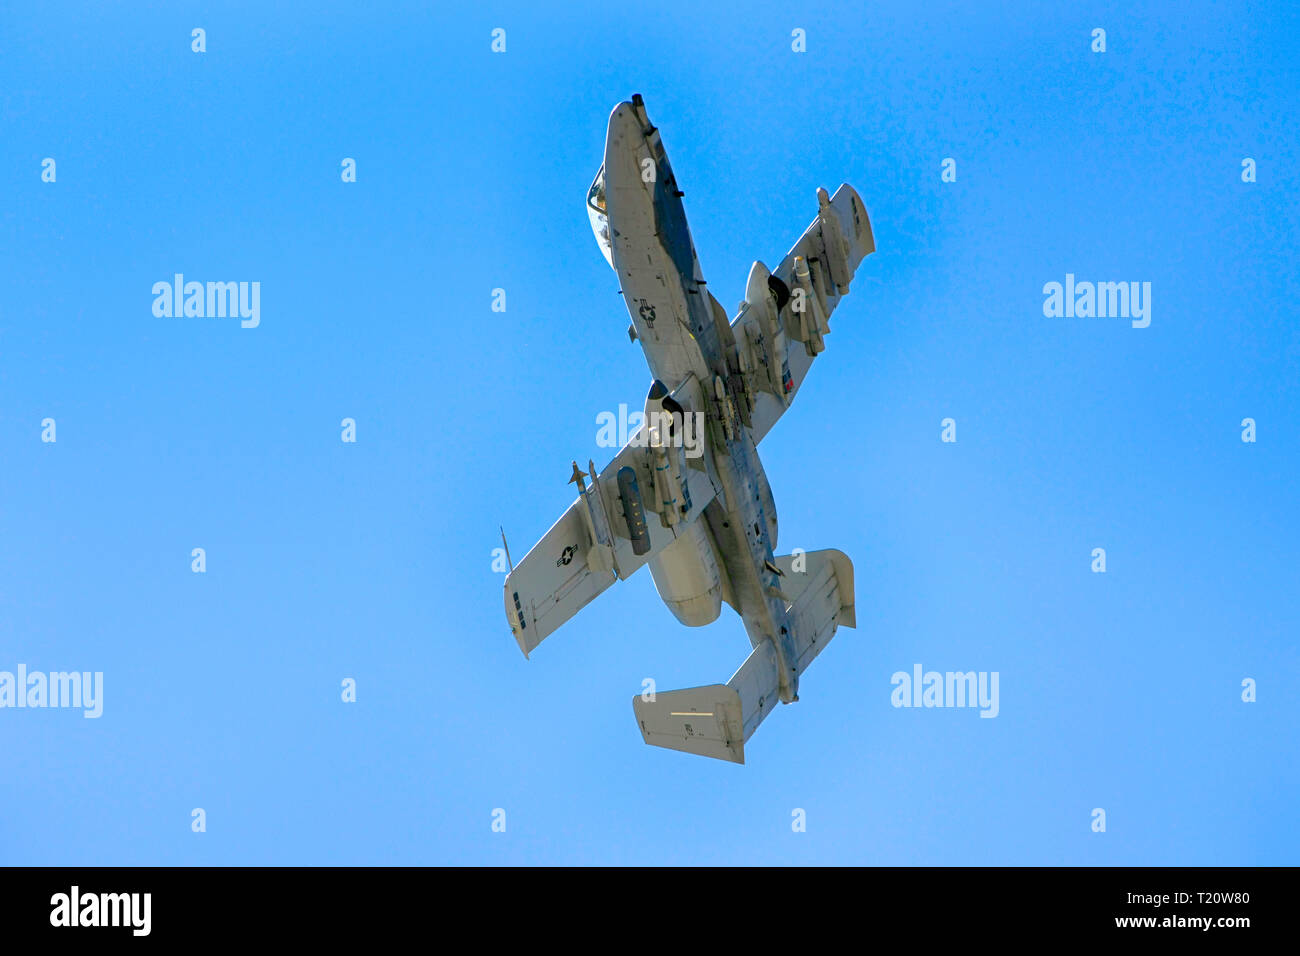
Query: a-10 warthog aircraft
{"points": [[700, 512]]}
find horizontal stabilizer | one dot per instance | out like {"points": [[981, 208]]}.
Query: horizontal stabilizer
{"points": [[701, 720], [819, 587], [717, 720], [713, 721]]}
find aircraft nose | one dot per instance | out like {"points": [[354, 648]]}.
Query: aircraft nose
{"points": [[624, 143], [624, 128], [621, 111]]}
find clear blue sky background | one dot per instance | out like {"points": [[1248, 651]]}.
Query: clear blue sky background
{"points": [[373, 561]]}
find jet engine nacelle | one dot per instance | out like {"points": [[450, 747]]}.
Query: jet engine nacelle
{"points": [[687, 578]]}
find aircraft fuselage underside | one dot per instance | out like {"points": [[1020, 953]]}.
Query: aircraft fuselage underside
{"points": [[681, 329]]}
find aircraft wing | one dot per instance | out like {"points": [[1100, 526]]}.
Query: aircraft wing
{"points": [[596, 541], [781, 338]]}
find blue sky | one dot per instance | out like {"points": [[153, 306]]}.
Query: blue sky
{"points": [[372, 560]]}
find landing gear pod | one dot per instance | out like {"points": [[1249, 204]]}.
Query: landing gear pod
{"points": [[760, 289], [633, 510]]}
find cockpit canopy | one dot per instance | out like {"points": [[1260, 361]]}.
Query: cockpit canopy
{"points": [[599, 218]]}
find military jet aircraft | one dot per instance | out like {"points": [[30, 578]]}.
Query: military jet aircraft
{"points": [[705, 523]]}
